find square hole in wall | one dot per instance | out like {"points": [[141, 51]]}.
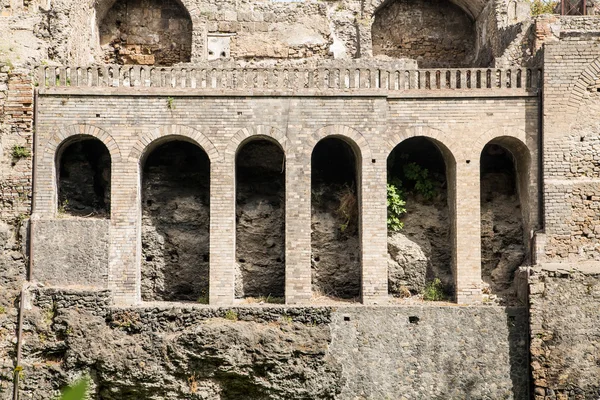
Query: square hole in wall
{"points": [[218, 46]]}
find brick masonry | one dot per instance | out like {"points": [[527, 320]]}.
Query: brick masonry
{"points": [[131, 125]]}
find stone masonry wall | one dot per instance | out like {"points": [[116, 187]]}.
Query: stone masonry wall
{"points": [[190, 352], [258, 33], [16, 133], [565, 333], [435, 33], [146, 32]]}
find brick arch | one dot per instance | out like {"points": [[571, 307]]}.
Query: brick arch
{"points": [[396, 137], [357, 140], [63, 135], [588, 76], [143, 144], [258, 131], [502, 135], [472, 7], [103, 6]]}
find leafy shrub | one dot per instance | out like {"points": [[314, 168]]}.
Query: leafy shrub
{"points": [[434, 291], [420, 177], [395, 207], [539, 7]]}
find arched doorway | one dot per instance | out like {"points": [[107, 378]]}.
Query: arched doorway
{"points": [[420, 244], [175, 223], [260, 221], [84, 175], [335, 235]]}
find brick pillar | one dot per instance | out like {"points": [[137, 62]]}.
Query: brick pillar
{"points": [[373, 208], [297, 233], [467, 231], [222, 232], [124, 272]]}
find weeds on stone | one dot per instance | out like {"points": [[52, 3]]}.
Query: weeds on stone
{"points": [[2, 310], [170, 103], [231, 315], [19, 152], [434, 291]]}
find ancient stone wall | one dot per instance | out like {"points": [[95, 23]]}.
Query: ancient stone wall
{"points": [[565, 330], [435, 33], [146, 32], [250, 33], [279, 352]]}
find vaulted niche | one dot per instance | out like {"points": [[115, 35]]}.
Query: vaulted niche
{"points": [[436, 33], [84, 178], [504, 181], [175, 223], [260, 221], [335, 238], [420, 242], [146, 32]]}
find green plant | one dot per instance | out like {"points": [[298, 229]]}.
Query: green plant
{"points": [[77, 391], [420, 177], [63, 206], [231, 315], [2, 310], [539, 7], [203, 299], [19, 152], [170, 103], [395, 207], [434, 291]]}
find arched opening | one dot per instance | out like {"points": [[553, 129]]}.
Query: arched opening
{"points": [[504, 178], [420, 244], [175, 223], [436, 33], [260, 221], [146, 32], [84, 178], [335, 238]]}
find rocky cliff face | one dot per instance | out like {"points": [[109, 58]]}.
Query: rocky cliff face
{"points": [[279, 353]]}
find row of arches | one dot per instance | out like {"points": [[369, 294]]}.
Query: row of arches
{"points": [[176, 213]]}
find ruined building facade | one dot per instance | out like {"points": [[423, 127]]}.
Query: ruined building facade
{"points": [[170, 169]]}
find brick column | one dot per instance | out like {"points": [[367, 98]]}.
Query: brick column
{"points": [[124, 273], [222, 232], [373, 208], [465, 204], [297, 233]]}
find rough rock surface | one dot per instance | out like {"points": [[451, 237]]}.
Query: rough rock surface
{"points": [[175, 223], [407, 265], [271, 353], [335, 244], [260, 215], [427, 228], [181, 353], [502, 243]]}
